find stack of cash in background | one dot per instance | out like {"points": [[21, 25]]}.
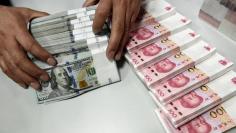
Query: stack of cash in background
{"points": [[192, 85], [82, 63], [221, 14]]}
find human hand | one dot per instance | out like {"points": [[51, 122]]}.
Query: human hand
{"points": [[16, 41], [124, 14]]}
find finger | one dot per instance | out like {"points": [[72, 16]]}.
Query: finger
{"points": [[31, 14], [117, 30], [9, 73], [35, 14], [135, 13], [126, 33], [19, 74], [28, 66], [32, 46], [134, 16], [30, 81], [19, 58], [90, 3], [123, 43], [102, 13]]}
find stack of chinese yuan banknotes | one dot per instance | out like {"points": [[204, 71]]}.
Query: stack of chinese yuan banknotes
{"points": [[82, 63], [192, 84]]}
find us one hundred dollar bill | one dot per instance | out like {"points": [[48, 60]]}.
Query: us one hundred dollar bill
{"points": [[69, 80]]}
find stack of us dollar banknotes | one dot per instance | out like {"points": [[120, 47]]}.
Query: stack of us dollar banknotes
{"points": [[82, 63], [193, 85]]}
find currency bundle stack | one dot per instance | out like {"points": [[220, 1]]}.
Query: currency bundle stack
{"points": [[191, 83], [221, 14], [82, 65], [65, 31]]}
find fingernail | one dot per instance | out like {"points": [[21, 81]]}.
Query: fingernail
{"points": [[118, 56], [23, 86], [111, 55], [35, 85], [96, 30], [84, 5], [44, 77], [51, 61]]}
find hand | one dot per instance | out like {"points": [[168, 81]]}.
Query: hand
{"points": [[15, 42], [124, 14]]}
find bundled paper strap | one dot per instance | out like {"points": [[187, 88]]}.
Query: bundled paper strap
{"points": [[191, 79], [163, 70], [200, 100], [218, 119], [153, 29], [162, 48]]}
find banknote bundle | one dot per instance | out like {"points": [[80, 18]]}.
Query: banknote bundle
{"points": [[200, 100], [76, 74], [152, 29], [82, 65], [158, 9], [162, 48], [190, 79], [65, 31], [160, 71], [216, 120], [185, 75]]}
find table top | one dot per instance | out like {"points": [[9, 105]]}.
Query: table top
{"points": [[123, 107]]}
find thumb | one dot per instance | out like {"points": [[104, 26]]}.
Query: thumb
{"points": [[30, 14], [90, 3], [35, 14]]}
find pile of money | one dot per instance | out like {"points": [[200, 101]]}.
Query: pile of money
{"points": [[65, 31], [80, 54], [190, 82], [192, 78], [159, 71], [82, 63], [169, 45], [219, 119], [200, 100]]}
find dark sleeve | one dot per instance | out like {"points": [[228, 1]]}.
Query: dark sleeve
{"points": [[5, 2], [231, 4]]}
